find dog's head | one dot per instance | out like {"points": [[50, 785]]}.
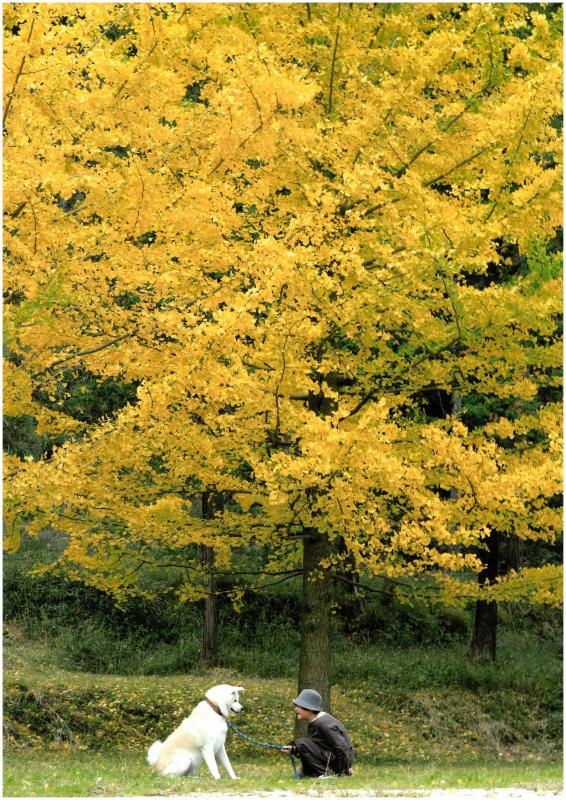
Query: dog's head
{"points": [[226, 698]]}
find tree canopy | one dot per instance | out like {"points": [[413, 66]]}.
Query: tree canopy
{"points": [[288, 226]]}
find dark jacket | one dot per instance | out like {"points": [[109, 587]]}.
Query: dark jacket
{"points": [[330, 735]]}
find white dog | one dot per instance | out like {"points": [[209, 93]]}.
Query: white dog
{"points": [[200, 737]]}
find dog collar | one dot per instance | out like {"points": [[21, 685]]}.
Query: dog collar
{"points": [[214, 707]]}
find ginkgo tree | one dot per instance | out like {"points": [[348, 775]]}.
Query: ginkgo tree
{"points": [[286, 224]]}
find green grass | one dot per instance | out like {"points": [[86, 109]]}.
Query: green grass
{"points": [[422, 705], [64, 773], [421, 716]]}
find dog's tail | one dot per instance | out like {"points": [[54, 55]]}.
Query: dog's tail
{"points": [[153, 753]]}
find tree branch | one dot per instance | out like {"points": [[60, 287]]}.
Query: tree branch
{"points": [[333, 66], [34, 227], [278, 386], [173, 565], [83, 353], [16, 79], [374, 392], [511, 163], [478, 153], [453, 304]]}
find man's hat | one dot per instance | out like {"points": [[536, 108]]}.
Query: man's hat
{"points": [[308, 699]]}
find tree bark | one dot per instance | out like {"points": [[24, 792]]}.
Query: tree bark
{"points": [[315, 655], [352, 603], [483, 646], [514, 553]]}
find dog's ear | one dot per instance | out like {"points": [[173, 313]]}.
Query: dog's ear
{"points": [[239, 688]]}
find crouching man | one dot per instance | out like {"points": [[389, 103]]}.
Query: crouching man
{"points": [[326, 749]]}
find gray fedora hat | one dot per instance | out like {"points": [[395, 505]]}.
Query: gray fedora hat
{"points": [[308, 699]]}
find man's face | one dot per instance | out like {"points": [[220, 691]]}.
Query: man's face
{"points": [[304, 713]]}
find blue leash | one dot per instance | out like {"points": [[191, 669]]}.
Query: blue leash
{"points": [[264, 744]]}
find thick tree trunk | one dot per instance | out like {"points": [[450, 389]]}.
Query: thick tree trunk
{"points": [[315, 655], [211, 502], [483, 646]]}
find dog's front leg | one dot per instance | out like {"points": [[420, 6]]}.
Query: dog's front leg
{"points": [[208, 755], [225, 761]]}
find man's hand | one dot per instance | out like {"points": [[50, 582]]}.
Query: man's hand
{"points": [[289, 750]]}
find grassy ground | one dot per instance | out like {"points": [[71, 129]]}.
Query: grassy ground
{"points": [[64, 773], [420, 715], [421, 706]]}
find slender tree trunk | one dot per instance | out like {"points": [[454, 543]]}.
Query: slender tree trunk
{"points": [[315, 655], [457, 404], [514, 553], [484, 641], [210, 611], [211, 502], [352, 603]]}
